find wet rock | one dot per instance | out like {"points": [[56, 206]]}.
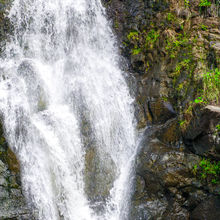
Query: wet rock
{"points": [[162, 174], [201, 135], [208, 209], [13, 204], [12, 162], [169, 133], [161, 111], [99, 176]]}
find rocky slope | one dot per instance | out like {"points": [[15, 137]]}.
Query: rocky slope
{"points": [[172, 49]]}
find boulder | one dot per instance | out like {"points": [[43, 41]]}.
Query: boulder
{"points": [[202, 136], [208, 210]]}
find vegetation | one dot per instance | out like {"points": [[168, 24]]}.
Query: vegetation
{"points": [[205, 3], [175, 43], [199, 100], [211, 84], [142, 41], [151, 38], [208, 171], [218, 128], [186, 2], [170, 17], [204, 27], [182, 123]]}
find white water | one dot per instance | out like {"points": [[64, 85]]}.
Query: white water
{"points": [[60, 63]]}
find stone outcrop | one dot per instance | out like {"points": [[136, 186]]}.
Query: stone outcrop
{"points": [[201, 135]]}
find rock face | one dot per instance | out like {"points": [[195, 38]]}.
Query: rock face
{"points": [[13, 204], [169, 46], [166, 187], [201, 136]]}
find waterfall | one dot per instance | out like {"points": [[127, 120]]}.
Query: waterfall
{"points": [[61, 71]]}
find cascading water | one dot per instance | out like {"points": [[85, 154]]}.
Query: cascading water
{"points": [[60, 69]]}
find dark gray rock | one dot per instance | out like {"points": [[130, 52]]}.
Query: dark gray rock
{"points": [[208, 210], [201, 136]]}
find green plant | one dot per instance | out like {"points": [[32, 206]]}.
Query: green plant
{"points": [[218, 127], [194, 170], [205, 3], [136, 51], [211, 84], [199, 100], [133, 35], [186, 2], [170, 17], [151, 38], [182, 123], [208, 170], [134, 39], [203, 27], [174, 45], [183, 65]]}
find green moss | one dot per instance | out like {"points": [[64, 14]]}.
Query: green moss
{"points": [[218, 127], [116, 24]]}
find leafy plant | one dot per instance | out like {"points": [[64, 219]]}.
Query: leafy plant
{"points": [[141, 41], [170, 17], [203, 27], [136, 51], [133, 35], [184, 65], [199, 100], [174, 45], [182, 123], [218, 127], [205, 3], [207, 170], [211, 84], [151, 38], [186, 2]]}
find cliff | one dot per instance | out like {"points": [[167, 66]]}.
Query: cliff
{"points": [[172, 50]]}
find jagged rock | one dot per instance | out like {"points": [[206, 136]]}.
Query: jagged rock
{"points": [[169, 133], [160, 111], [201, 135], [13, 204], [162, 173], [208, 209]]}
